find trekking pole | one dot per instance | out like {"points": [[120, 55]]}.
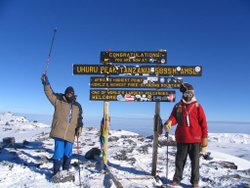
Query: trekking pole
{"points": [[166, 135], [78, 157], [50, 50]]}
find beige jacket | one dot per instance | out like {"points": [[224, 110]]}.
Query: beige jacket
{"points": [[61, 127]]}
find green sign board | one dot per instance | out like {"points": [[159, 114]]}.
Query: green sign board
{"points": [[79, 69], [136, 82], [156, 57], [132, 95]]}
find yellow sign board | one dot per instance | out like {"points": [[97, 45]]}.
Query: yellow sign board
{"points": [[132, 95], [135, 82], [137, 70], [155, 57]]}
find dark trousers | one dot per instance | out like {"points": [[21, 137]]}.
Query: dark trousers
{"points": [[184, 150]]}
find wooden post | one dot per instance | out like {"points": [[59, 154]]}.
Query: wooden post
{"points": [[111, 175], [155, 141], [114, 178], [105, 133]]}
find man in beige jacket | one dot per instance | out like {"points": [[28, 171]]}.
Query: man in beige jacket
{"points": [[67, 123]]}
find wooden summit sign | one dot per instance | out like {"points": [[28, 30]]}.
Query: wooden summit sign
{"points": [[115, 71], [133, 95], [156, 57], [79, 69], [136, 82]]}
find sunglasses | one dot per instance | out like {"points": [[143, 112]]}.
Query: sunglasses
{"points": [[188, 94], [70, 93]]}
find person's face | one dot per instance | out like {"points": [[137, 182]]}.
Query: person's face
{"points": [[69, 94], [188, 95]]}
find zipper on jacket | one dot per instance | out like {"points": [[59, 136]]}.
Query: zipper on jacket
{"points": [[187, 114], [69, 120], [70, 114]]}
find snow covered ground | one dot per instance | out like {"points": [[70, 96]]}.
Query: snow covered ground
{"points": [[27, 164]]}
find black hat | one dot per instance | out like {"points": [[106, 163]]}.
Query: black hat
{"points": [[69, 89], [186, 87]]}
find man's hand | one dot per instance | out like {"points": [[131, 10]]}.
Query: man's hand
{"points": [[168, 125], [204, 143], [45, 80], [78, 132]]}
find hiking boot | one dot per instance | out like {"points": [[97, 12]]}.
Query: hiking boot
{"points": [[56, 165], [195, 185], [66, 162]]}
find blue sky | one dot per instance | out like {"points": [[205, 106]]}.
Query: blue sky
{"points": [[214, 34]]}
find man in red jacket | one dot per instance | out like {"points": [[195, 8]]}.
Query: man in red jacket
{"points": [[191, 134]]}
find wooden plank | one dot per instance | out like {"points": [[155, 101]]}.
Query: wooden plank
{"points": [[133, 95], [152, 57], [114, 178], [145, 70], [136, 82]]}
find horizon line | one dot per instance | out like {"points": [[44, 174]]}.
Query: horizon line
{"points": [[124, 117]]}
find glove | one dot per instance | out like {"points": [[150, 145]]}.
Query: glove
{"points": [[78, 132], [203, 149], [168, 125], [204, 143], [45, 80]]}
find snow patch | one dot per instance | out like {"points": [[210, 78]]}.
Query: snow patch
{"points": [[28, 162]]}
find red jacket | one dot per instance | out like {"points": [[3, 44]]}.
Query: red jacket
{"points": [[197, 127]]}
